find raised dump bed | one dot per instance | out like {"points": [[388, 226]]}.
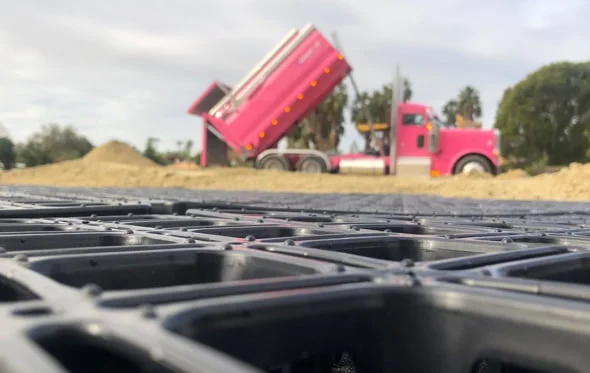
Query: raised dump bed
{"points": [[289, 82]]}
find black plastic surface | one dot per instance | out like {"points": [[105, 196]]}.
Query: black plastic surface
{"points": [[155, 281]]}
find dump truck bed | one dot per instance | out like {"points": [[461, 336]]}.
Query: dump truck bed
{"points": [[289, 82]]}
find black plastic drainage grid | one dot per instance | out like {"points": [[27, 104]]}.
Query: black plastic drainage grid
{"points": [[92, 283]]}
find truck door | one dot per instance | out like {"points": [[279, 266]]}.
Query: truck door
{"points": [[413, 155]]}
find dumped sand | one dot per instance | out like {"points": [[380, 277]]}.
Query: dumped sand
{"points": [[118, 152], [184, 166], [513, 174], [120, 168]]}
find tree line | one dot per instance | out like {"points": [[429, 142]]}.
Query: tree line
{"points": [[544, 120], [52, 143], [323, 128], [57, 143]]}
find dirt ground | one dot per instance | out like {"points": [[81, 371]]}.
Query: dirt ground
{"points": [[117, 165]]}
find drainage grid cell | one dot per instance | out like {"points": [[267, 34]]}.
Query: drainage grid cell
{"points": [[47, 241], [100, 280], [361, 328], [161, 268], [77, 351], [405, 248], [11, 291], [346, 333], [570, 268], [262, 232]]}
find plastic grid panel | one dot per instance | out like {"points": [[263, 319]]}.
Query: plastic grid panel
{"points": [[99, 281]]}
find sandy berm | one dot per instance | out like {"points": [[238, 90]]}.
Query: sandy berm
{"points": [[116, 164]]}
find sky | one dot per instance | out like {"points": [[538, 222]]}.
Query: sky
{"points": [[128, 70]]}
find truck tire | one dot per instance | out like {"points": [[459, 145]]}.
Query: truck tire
{"points": [[312, 164], [274, 162], [473, 163]]}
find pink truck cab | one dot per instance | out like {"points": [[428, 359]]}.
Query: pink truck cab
{"points": [[292, 80], [425, 145]]}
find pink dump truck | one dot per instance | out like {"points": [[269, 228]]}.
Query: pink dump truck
{"points": [[290, 82]]}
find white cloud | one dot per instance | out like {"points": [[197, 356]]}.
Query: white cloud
{"points": [[140, 42], [130, 69]]}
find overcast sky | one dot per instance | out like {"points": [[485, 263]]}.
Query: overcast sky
{"points": [[130, 69]]}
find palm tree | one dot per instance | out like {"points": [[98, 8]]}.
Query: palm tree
{"points": [[188, 148], [298, 137], [324, 126], [469, 104], [379, 103], [450, 111]]}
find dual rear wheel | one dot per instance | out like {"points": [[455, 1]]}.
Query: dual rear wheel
{"points": [[307, 164]]}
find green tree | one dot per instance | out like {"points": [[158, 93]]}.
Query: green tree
{"points": [[188, 148], [467, 104], [7, 153], [299, 137], [151, 152], [324, 126], [547, 116], [449, 111], [378, 103], [54, 143], [31, 154]]}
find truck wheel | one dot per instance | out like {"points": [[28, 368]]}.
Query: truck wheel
{"points": [[312, 164], [274, 162], [473, 164]]}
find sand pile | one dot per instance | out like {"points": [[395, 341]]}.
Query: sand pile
{"points": [[575, 170], [118, 152], [513, 174], [473, 175], [184, 166], [116, 164]]}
